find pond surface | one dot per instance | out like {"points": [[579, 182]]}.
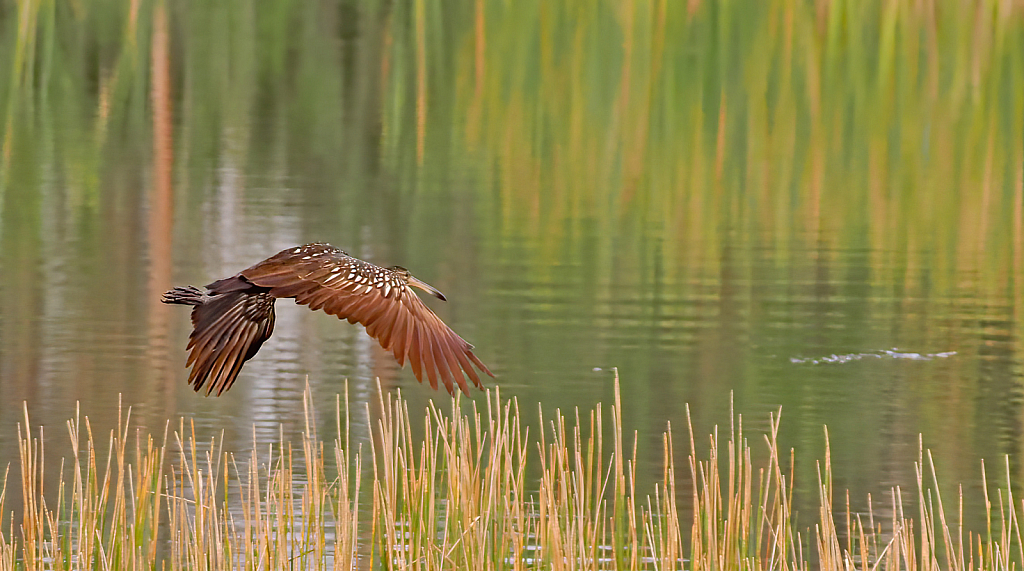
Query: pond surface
{"points": [[729, 210]]}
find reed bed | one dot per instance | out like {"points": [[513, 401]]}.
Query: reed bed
{"points": [[475, 491]]}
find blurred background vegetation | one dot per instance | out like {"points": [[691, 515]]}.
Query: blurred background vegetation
{"points": [[894, 123]]}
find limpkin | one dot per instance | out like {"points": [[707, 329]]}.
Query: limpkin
{"points": [[235, 315]]}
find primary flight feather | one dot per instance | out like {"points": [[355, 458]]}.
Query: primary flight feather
{"points": [[235, 315]]}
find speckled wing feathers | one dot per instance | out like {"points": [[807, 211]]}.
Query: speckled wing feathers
{"points": [[323, 277]]}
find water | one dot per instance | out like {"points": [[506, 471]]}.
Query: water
{"points": [[856, 267]]}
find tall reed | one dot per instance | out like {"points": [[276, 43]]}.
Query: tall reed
{"points": [[467, 489]]}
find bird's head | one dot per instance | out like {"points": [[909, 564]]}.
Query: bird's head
{"points": [[416, 282]]}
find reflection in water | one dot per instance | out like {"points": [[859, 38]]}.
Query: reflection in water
{"points": [[161, 214], [554, 332], [695, 211]]}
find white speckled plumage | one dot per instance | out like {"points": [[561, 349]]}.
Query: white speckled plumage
{"points": [[233, 318]]}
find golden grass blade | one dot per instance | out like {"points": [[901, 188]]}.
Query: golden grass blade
{"points": [[463, 493]]}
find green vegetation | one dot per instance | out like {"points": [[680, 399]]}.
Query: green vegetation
{"points": [[896, 125], [474, 492], [662, 146]]}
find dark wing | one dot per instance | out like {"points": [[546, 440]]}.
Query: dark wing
{"points": [[323, 277], [227, 330]]}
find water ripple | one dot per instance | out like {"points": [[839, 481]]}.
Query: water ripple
{"points": [[893, 353]]}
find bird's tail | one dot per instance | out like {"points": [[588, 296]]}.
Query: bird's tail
{"points": [[185, 295]]}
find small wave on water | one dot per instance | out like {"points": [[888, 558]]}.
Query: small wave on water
{"points": [[893, 353]]}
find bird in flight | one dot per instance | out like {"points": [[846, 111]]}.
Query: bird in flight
{"points": [[235, 315]]}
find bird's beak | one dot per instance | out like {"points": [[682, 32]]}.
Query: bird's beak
{"points": [[427, 288]]}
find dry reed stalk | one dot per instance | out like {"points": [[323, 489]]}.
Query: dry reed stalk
{"points": [[472, 491]]}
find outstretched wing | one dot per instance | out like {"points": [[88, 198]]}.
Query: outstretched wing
{"points": [[227, 330], [323, 277]]}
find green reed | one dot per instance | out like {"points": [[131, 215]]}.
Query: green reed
{"points": [[891, 117], [891, 126], [472, 491]]}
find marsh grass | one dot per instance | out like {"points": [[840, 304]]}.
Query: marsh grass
{"points": [[473, 491]]}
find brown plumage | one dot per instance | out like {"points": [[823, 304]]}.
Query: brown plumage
{"points": [[234, 316]]}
